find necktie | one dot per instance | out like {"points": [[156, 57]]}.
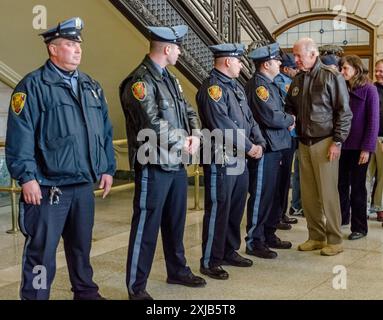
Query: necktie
{"points": [[168, 82]]}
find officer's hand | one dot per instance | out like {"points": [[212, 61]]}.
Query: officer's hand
{"points": [[191, 145], [259, 153], [334, 152], [253, 151], [292, 127], [106, 184], [32, 193], [364, 157], [194, 144]]}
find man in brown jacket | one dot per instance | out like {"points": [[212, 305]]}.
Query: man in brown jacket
{"points": [[318, 97]]}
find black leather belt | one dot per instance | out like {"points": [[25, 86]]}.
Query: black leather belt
{"points": [[311, 141]]}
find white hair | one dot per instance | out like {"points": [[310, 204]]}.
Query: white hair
{"points": [[309, 45]]}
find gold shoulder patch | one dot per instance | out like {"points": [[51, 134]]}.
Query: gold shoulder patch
{"points": [[263, 93], [287, 87], [215, 92], [139, 90], [18, 102]]}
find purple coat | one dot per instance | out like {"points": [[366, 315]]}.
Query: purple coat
{"points": [[364, 104]]}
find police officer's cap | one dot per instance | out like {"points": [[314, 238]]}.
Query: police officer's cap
{"points": [[68, 29], [228, 50], [288, 60], [266, 53], [168, 34], [329, 60]]}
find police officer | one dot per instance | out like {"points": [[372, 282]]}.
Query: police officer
{"points": [[330, 60], [263, 212], [288, 70], [223, 107], [152, 98], [59, 142]]}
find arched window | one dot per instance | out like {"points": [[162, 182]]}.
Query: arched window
{"points": [[351, 35]]}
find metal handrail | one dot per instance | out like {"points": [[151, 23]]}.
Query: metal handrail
{"points": [[13, 190]]}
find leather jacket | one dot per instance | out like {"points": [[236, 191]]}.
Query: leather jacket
{"points": [[152, 103], [320, 101]]}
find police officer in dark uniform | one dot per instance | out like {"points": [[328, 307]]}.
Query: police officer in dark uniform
{"points": [[59, 142], [263, 212], [223, 107], [152, 99], [288, 70]]}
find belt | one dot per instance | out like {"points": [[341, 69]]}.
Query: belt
{"points": [[309, 141]]}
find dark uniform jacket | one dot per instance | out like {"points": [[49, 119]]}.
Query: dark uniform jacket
{"points": [[266, 104], [222, 104], [146, 100], [55, 137], [320, 100]]}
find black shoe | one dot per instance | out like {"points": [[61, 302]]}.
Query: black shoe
{"points": [[283, 226], [189, 280], [286, 219], [356, 235], [279, 244], [215, 273], [140, 295], [94, 297], [237, 261], [262, 252]]}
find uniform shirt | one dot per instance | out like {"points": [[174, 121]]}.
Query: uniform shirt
{"points": [[55, 137], [267, 106], [71, 79], [222, 104]]}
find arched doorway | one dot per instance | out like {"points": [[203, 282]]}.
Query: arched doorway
{"points": [[352, 35]]}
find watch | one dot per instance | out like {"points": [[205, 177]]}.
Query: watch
{"points": [[338, 144]]}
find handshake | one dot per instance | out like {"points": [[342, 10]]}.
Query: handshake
{"points": [[292, 127]]}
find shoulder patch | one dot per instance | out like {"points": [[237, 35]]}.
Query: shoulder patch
{"points": [[139, 90], [287, 87], [263, 93], [18, 102], [215, 92], [295, 92]]}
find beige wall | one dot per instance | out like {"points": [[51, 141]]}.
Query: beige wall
{"points": [[112, 45]]}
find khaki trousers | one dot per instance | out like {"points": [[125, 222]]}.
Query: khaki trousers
{"points": [[319, 192], [376, 168]]}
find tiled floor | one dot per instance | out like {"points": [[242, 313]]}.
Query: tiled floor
{"points": [[293, 275]]}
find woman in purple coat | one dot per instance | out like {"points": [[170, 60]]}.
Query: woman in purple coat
{"points": [[364, 104]]}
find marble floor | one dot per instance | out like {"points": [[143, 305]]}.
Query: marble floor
{"points": [[293, 275]]}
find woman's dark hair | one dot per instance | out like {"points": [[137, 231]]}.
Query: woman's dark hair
{"points": [[360, 78]]}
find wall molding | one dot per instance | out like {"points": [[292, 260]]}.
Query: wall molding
{"points": [[9, 76]]}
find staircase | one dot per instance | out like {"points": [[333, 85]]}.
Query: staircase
{"points": [[210, 22]]}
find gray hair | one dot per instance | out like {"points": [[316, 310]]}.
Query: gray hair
{"points": [[309, 45]]}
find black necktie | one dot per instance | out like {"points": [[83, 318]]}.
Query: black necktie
{"points": [[168, 82]]}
